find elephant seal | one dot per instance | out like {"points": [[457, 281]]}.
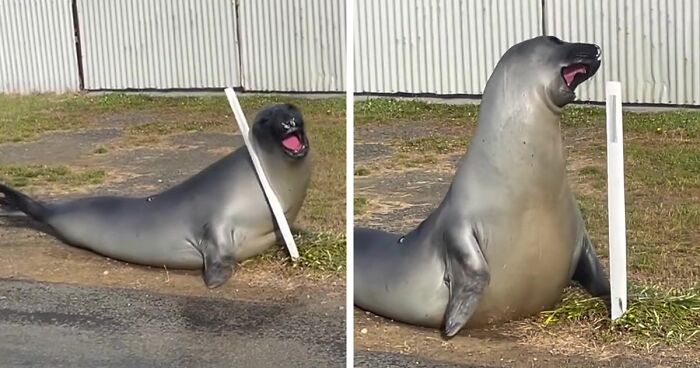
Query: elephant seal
{"points": [[212, 220], [508, 236]]}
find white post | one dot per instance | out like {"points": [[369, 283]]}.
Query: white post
{"points": [[277, 210], [616, 200]]}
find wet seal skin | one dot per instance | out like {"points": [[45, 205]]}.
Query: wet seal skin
{"points": [[212, 220], [509, 236]]}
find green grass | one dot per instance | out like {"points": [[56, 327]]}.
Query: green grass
{"points": [[593, 172], [25, 118], [324, 207], [433, 144], [362, 171], [664, 122], [318, 251], [383, 110], [149, 133], [359, 205], [411, 160], [654, 315], [100, 150], [164, 128], [21, 176], [672, 166]]}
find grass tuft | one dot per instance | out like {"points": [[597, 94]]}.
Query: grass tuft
{"points": [[670, 316], [21, 176], [361, 171], [359, 205], [319, 251], [100, 150]]}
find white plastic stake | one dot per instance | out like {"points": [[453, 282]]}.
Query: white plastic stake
{"points": [[616, 200], [277, 210]]}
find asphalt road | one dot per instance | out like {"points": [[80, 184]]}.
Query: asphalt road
{"points": [[372, 359], [56, 325]]}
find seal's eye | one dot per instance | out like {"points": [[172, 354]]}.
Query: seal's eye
{"points": [[555, 40]]}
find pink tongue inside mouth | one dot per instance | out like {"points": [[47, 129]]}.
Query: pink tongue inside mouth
{"points": [[571, 71], [292, 142]]}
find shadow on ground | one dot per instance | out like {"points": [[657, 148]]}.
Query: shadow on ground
{"points": [[55, 325]]}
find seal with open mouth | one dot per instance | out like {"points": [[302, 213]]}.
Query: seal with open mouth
{"points": [[508, 236], [212, 220]]}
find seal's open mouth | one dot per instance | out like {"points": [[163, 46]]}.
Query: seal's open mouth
{"points": [[294, 144], [575, 74], [584, 59]]}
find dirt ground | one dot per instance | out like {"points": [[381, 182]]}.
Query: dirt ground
{"points": [[140, 168], [397, 189]]}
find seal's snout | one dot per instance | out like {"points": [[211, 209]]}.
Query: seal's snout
{"points": [[583, 63], [598, 52]]}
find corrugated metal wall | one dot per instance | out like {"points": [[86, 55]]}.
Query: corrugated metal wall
{"points": [[651, 46], [451, 46], [437, 46], [140, 44], [413, 46], [37, 49], [293, 45]]}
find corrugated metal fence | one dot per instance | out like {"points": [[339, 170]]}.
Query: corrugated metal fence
{"points": [[437, 46], [164, 44], [293, 45], [37, 48], [651, 46], [450, 47], [413, 46], [259, 45]]}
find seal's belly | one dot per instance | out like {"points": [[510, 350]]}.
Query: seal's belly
{"points": [[529, 263], [249, 243], [415, 300], [401, 285]]}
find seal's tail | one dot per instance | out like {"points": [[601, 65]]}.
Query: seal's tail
{"points": [[15, 200]]}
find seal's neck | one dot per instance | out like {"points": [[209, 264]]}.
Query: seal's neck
{"points": [[288, 177], [517, 141]]}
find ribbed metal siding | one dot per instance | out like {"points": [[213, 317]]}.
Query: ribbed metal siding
{"points": [[37, 49], [293, 45], [437, 46], [651, 46], [163, 44]]}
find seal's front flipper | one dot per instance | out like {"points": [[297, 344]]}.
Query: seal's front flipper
{"points": [[216, 247], [467, 276], [590, 274]]}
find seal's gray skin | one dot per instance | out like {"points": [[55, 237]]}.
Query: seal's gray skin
{"points": [[212, 220], [508, 236]]}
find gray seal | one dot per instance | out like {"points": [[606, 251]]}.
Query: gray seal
{"points": [[509, 236], [212, 220]]}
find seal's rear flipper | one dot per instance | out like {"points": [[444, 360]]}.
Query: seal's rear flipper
{"points": [[15, 200], [590, 274], [467, 276], [216, 247]]}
